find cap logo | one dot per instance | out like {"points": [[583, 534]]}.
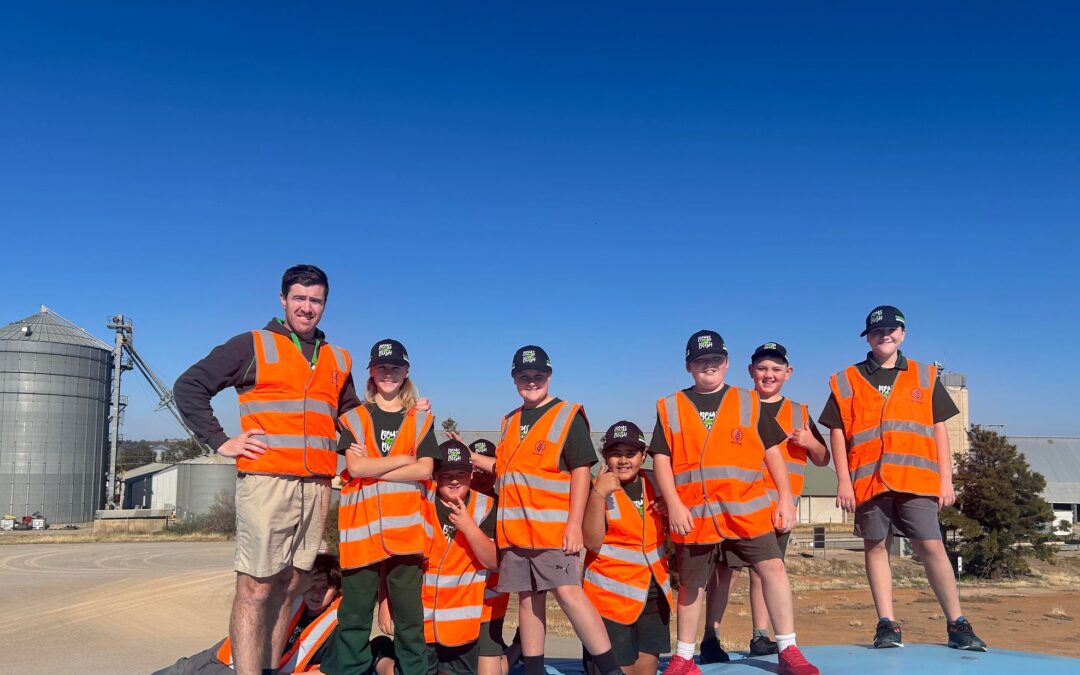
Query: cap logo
{"points": [[386, 349], [620, 431], [453, 454], [736, 435], [876, 316], [528, 356], [704, 342], [769, 345], [481, 447]]}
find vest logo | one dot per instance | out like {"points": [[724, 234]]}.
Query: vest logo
{"points": [[386, 349], [538, 449], [736, 435], [335, 377], [916, 395]]}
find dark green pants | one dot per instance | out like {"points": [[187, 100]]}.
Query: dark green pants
{"points": [[359, 590]]}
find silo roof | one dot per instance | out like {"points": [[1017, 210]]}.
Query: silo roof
{"points": [[48, 326], [210, 459]]}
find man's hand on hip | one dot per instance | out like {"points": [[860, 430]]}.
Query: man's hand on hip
{"points": [[245, 445]]}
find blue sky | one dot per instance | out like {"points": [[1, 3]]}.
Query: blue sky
{"points": [[602, 180]]}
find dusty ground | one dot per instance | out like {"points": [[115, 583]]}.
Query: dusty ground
{"points": [[136, 607]]}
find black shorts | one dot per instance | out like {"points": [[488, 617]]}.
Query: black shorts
{"points": [[463, 659], [738, 553], [650, 634]]}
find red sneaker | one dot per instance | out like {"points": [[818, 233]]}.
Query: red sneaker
{"points": [[792, 662], [680, 666]]}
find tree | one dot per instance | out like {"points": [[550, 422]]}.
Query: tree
{"points": [[449, 425], [178, 451], [999, 513], [133, 454]]}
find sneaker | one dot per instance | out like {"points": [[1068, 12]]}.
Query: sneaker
{"points": [[962, 636], [760, 645], [680, 666], [792, 662], [712, 652], [888, 634]]}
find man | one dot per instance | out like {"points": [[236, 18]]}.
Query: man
{"points": [[292, 386]]}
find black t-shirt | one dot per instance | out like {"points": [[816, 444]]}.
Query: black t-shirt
{"points": [[386, 425], [707, 405], [578, 450], [771, 409], [448, 529], [883, 378]]}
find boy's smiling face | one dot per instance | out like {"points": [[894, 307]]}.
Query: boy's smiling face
{"points": [[319, 593], [453, 484], [708, 372], [532, 386], [388, 378], [769, 375], [884, 342], [624, 461]]}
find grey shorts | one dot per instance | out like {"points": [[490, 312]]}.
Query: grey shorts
{"points": [[745, 552], [913, 516], [526, 569], [695, 563], [279, 522]]}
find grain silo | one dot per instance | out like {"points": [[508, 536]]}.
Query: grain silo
{"points": [[199, 481], [54, 407]]}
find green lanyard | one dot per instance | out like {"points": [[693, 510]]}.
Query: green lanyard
{"points": [[296, 341]]}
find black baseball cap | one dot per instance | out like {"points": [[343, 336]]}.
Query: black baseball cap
{"points": [[704, 342], [388, 351], [624, 432], [884, 316], [453, 455], [530, 357], [483, 446], [770, 349]]}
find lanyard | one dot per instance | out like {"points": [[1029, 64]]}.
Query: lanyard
{"points": [[296, 341]]}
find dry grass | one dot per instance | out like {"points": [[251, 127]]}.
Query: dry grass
{"points": [[817, 609], [88, 537], [1058, 613]]}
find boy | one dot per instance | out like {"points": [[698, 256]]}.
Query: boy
{"points": [[769, 369], [461, 551], [708, 451], [483, 481], [626, 567], [542, 467], [886, 417]]}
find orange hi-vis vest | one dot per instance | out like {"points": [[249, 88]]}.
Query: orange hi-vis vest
{"points": [[382, 518], [718, 472], [298, 658], [534, 494], [618, 576], [296, 405], [224, 652], [890, 441], [791, 416], [454, 582]]}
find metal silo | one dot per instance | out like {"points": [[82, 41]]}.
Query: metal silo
{"points": [[198, 482], [54, 407]]}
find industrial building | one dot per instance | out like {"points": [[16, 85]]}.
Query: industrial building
{"points": [[1058, 460], [55, 381], [190, 487]]}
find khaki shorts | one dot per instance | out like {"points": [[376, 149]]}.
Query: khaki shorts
{"points": [[279, 522]]}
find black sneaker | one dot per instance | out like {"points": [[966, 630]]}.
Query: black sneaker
{"points": [[761, 645], [887, 634], [962, 636], [712, 652]]}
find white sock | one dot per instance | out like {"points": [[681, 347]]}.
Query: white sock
{"points": [[784, 641], [684, 649]]}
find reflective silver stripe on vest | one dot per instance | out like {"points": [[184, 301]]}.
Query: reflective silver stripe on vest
{"points": [[536, 482], [716, 473], [796, 415], [623, 554], [455, 613], [616, 587], [797, 468], [291, 441], [774, 496], [539, 515], [745, 410], [361, 532], [562, 419], [734, 508], [269, 347], [339, 357], [481, 507], [450, 580], [671, 405], [653, 556], [287, 406], [421, 423], [924, 374], [843, 384], [908, 427], [666, 587], [319, 630], [396, 487], [398, 522], [865, 436], [357, 425], [897, 459], [613, 512]]}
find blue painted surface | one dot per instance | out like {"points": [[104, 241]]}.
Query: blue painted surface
{"points": [[861, 660]]}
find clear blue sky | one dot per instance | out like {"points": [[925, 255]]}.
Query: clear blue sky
{"points": [[600, 179]]}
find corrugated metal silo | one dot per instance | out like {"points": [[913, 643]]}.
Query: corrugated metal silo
{"points": [[198, 482], [54, 408]]}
